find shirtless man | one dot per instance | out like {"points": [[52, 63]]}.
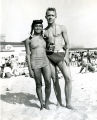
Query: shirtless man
{"points": [[57, 35]]}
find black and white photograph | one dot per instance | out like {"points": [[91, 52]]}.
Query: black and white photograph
{"points": [[48, 59]]}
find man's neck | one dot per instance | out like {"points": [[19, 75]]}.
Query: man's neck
{"points": [[51, 25]]}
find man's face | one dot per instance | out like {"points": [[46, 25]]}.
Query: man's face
{"points": [[38, 28], [50, 16]]}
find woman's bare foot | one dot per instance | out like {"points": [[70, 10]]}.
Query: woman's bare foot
{"points": [[42, 106]]}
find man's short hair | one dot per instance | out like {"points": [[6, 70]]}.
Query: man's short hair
{"points": [[51, 9]]}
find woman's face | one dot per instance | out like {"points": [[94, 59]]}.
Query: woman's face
{"points": [[38, 28]]}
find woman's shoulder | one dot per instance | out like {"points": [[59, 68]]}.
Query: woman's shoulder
{"points": [[27, 41]]}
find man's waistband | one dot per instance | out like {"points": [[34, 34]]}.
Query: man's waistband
{"points": [[61, 51]]}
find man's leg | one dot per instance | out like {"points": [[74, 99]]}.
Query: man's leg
{"points": [[56, 86], [38, 80], [68, 87], [47, 78]]}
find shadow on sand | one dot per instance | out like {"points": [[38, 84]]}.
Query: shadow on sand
{"points": [[21, 98]]}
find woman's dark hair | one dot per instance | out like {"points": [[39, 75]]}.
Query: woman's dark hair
{"points": [[33, 24]]}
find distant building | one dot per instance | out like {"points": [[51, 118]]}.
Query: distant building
{"points": [[12, 47]]}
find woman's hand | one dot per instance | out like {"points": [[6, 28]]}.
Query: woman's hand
{"points": [[31, 73]]}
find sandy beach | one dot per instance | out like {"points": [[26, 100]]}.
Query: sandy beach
{"points": [[21, 102]]}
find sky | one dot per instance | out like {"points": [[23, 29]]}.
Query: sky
{"points": [[78, 16]]}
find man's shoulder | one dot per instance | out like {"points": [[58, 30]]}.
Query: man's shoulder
{"points": [[62, 27]]}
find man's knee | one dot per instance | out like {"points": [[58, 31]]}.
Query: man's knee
{"points": [[55, 79], [68, 79], [38, 85], [48, 84]]}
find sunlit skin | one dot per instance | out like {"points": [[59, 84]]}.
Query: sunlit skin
{"points": [[51, 16], [38, 29]]}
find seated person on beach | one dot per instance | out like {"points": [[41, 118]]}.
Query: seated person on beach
{"points": [[87, 66], [7, 72]]}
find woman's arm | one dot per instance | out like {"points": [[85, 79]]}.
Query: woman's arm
{"points": [[28, 52]]}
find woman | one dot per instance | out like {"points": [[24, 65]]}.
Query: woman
{"points": [[38, 62]]}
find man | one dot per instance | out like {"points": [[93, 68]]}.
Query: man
{"points": [[56, 35]]}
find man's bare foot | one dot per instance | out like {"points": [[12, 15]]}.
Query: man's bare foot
{"points": [[46, 107], [69, 107], [62, 105]]}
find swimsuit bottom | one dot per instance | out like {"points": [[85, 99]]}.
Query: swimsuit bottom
{"points": [[56, 57], [39, 62]]}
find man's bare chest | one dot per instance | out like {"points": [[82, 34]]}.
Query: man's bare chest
{"points": [[53, 32]]}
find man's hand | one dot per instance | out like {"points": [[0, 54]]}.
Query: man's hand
{"points": [[66, 61], [66, 58]]}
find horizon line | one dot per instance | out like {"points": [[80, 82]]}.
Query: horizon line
{"points": [[21, 44]]}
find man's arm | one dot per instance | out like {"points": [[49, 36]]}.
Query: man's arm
{"points": [[66, 46]]}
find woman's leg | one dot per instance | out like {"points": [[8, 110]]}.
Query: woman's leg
{"points": [[68, 87], [54, 75], [38, 80], [47, 78]]}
